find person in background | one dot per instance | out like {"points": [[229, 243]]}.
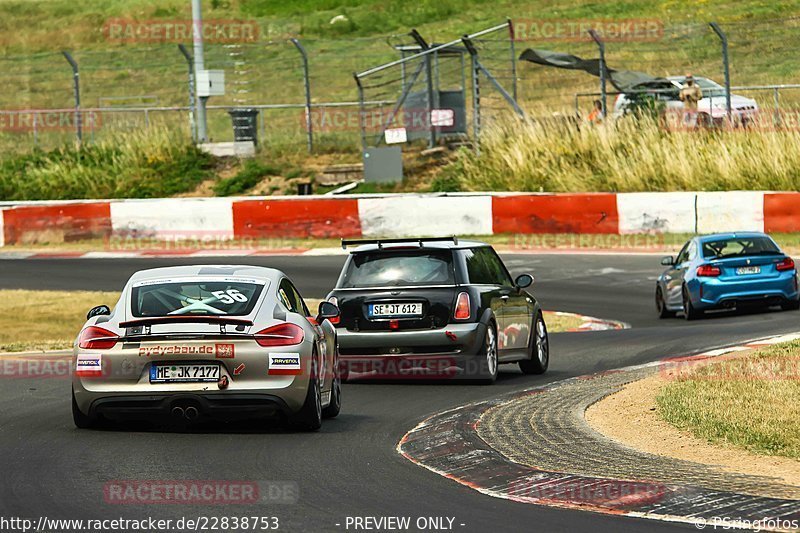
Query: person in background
{"points": [[596, 116], [690, 95]]}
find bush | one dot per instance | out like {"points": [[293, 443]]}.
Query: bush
{"points": [[247, 178]]}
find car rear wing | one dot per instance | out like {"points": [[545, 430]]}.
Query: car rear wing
{"points": [[146, 323], [381, 242]]}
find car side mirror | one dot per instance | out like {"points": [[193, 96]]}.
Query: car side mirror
{"points": [[668, 260], [327, 310], [523, 280], [97, 311]]}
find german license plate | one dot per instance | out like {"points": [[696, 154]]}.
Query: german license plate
{"points": [[184, 373], [748, 270], [406, 309]]}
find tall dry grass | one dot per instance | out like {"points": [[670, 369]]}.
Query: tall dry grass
{"points": [[627, 155]]}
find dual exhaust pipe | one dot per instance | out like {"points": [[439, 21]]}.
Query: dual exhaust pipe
{"points": [[189, 413]]}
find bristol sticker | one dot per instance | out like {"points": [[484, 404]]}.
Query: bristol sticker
{"points": [[284, 364]]}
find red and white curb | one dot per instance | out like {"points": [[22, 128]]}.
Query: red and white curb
{"points": [[448, 444], [590, 323], [399, 215]]}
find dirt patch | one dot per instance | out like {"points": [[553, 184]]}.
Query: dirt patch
{"points": [[631, 418]]}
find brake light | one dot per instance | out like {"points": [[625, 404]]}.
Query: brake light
{"points": [[94, 338], [786, 264], [708, 271], [285, 334], [462, 306], [335, 301]]}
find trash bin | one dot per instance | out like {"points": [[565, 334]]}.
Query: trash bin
{"points": [[305, 189], [245, 124]]}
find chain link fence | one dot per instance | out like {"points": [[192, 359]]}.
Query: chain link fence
{"points": [[305, 93]]}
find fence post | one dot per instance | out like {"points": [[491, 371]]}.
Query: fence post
{"points": [[307, 85], [476, 92], [361, 119], [512, 39], [726, 67], [603, 71], [76, 88], [199, 65], [423, 44], [192, 110], [776, 98]]}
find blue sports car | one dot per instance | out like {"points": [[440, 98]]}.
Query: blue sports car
{"points": [[724, 271]]}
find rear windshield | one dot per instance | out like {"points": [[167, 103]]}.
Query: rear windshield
{"points": [[195, 296], [396, 269], [739, 246]]}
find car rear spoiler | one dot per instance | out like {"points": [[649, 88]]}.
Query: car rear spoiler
{"points": [[185, 319], [381, 242]]}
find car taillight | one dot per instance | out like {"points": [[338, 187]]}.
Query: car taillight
{"points": [[335, 301], [708, 271], [462, 306], [786, 264], [94, 338], [285, 334]]}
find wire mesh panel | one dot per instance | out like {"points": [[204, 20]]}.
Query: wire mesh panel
{"points": [[427, 92]]}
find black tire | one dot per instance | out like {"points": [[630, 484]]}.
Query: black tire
{"points": [[81, 420], [309, 417], [540, 349], [487, 357], [689, 312], [661, 306], [791, 305], [332, 411]]}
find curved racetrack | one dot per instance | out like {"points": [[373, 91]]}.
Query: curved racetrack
{"points": [[349, 468]]}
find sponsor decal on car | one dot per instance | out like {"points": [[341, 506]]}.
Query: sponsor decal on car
{"points": [[238, 370], [224, 351], [89, 365], [220, 351], [284, 364]]}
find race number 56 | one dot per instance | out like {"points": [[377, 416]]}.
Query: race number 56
{"points": [[230, 296]]}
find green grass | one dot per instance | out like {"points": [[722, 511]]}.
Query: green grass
{"points": [[762, 34], [59, 314], [148, 164], [248, 177], [752, 402]]}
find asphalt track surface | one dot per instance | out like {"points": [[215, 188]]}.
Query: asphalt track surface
{"points": [[350, 467]]}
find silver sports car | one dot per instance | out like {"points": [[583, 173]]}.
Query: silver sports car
{"points": [[200, 341]]}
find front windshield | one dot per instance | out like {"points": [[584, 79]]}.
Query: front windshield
{"points": [[195, 296], [739, 246]]}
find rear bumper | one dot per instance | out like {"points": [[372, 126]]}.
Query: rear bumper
{"points": [[715, 293], [207, 404], [419, 353], [453, 339]]}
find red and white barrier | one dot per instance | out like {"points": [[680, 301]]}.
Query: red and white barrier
{"points": [[404, 215]]}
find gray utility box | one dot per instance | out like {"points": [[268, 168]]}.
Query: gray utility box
{"points": [[383, 165]]}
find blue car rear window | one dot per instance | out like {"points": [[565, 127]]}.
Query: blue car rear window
{"points": [[738, 247]]}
